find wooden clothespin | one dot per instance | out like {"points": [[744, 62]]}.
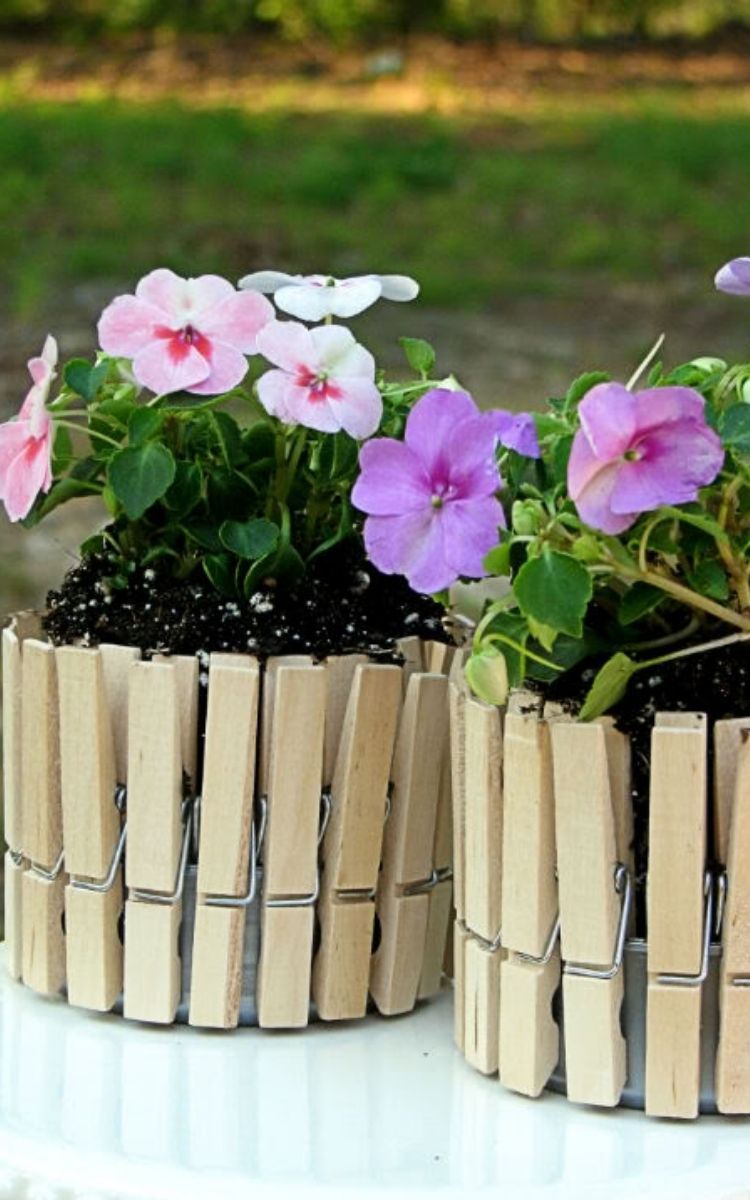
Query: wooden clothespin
{"points": [[457, 693], [92, 829], [226, 885], [595, 890], [159, 826], [680, 907], [438, 951], [732, 1079], [43, 886], [353, 842], [290, 849], [13, 636], [529, 976], [407, 874], [482, 843], [411, 650]]}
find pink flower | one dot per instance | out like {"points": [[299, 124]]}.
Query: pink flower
{"points": [[185, 334], [313, 297], [433, 513], [325, 380], [637, 451], [26, 442]]}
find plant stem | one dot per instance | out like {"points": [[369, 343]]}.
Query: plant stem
{"points": [[92, 433], [717, 644], [686, 596], [646, 362]]}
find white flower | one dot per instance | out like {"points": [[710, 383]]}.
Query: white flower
{"points": [[314, 297]]}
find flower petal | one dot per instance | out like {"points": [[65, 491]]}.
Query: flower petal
{"points": [[410, 545], [238, 320], [165, 290], [128, 325], [157, 367], [42, 368], [272, 390], [734, 277], [471, 460], [392, 479], [14, 436], [431, 426], [228, 369], [470, 530], [340, 354], [287, 344], [307, 301], [352, 296], [309, 409], [594, 500], [26, 475], [266, 281], [608, 419], [399, 287], [206, 293], [659, 406], [359, 408], [516, 431], [676, 461]]}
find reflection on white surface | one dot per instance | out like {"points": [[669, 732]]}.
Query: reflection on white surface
{"points": [[93, 1106]]}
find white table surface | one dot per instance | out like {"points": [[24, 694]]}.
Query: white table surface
{"points": [[94, 1107]]}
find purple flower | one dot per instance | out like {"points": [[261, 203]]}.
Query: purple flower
{"points": [[433, 514], [637, 451], [516, 431], [734, 277]]}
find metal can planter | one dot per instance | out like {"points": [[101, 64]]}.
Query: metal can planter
{"points": [[223, 841], [552, 990]]}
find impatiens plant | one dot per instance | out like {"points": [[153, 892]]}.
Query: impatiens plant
{"points": [[224, 441]]}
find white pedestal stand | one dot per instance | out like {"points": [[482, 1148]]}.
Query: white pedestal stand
{"points": [[96, 1108]]}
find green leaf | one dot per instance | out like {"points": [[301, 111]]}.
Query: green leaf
{"points": [[143, 424], [497, 562], [60, 492], [228, 433], [185, 491], [735, 428], [230, 497], [62, 453], [220, 570], [510, 625], [583, 384], [487, 675], [85, 379], [560, 457], [554, 589], [140, 475], [251, 539], [419, 355], [638, 601], [609, 686], [710, 579], [544, 634]]}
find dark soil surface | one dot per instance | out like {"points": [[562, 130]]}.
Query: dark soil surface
{"points": [[340, 606], [716, 682]]}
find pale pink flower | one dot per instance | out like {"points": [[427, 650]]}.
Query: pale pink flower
{"points": [[314, 297], [185, 334], [324, 379], [26, 441]]}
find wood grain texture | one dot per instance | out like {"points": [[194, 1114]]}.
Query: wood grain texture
{"points": [[13, 895], [483, 832], [596, 1066], [728, 738], [438, 924], [340, 671], [482, 1006], [677, 843], [154, 778], [187, 672], [529, 1046], [94, 953], [460, 939], [341, 970], [396, 966], [732, 1080], [117, 661], [228, 778], [91, 821], [268, 700], [285, 968], [40, 759], [457, 711], [22, 626], [673, 1051], [152, 962], [529, 886], [216, 979], [43, 938]]}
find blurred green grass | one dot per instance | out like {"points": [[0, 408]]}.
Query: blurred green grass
{"points": [[475, 208]]}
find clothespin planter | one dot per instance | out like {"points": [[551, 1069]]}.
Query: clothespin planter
{"points": [[280, 850], [552, 988]]}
